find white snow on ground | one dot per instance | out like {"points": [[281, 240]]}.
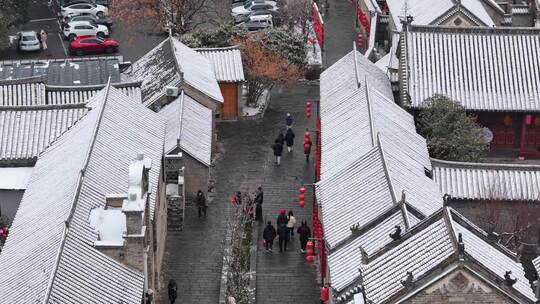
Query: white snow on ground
{"points": [[15, 178]]}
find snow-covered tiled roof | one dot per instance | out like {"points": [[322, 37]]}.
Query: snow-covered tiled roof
{"points": [[226, 62], [171, 63], [429, 248], [370, 151], [65, 72], [345, 261], [43, 257], [197, 71], [536, 264], [22, 93], [486, 69], [426, 12], [481, 181], [35, 93], [189, 124], [28, 131]]}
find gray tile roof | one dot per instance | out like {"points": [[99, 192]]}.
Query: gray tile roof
{"points": [[171, 63], [44, 257], [482, 181], [66, 72], [26, 132], [429, 248], [189, 124], [485, 69], [226, 62]]}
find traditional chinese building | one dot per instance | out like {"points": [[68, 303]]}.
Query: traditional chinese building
{"points": [[492, 72], [385, 235]]}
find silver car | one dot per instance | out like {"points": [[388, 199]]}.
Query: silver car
{"points": [[28, 41]]}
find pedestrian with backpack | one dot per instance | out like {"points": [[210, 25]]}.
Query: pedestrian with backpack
{"points": [[289, 139], [269, 234], [305, 233]]}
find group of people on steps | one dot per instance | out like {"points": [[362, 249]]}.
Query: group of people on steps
{"points": [[285, 232], [288, 139]]}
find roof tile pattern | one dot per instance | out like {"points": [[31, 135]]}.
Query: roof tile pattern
{"points": [[101, 147], [189, 124], [22, 94], [487, 69], [26, 133], [226, 62], [470, 181]]}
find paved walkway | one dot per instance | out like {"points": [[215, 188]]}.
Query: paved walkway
{"points": [[194, 255]]}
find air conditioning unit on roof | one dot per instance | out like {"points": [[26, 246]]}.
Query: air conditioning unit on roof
{"points": [[171, 91]]}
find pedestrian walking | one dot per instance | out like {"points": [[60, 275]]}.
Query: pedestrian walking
{"points": [[307, 148], [282, 219], [281, 138], [259, 196], [305, 233], [289, 139], [172, 289], [237, 198], [278, 151], [201, 203], [289, 120], [269, 234], [283, 234], [43, 36], [291, 221]]}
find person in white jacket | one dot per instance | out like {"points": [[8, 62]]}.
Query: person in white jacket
{"points": [[291, 223]]}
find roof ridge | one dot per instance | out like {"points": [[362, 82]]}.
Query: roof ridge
{"points": [[225, 48], [414, 28], [126, 84], [385, 167], [44, 107], [77, 193]]}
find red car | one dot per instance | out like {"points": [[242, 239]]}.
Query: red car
{"points": [[93, 44]]}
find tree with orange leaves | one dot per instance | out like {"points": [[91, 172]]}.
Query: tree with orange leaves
{"points": [[178, 15], [264, 68]]}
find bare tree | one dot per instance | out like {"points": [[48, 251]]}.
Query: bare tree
{"points": [[297, 14]]}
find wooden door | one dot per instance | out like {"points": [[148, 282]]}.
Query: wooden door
{"points": [[229, 110]]}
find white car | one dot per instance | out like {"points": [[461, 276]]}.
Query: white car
{"points": [[250, 6], [84, 8], [28, 41], [84, 28]]}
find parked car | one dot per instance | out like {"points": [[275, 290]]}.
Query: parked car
{"points": [[257, 23], [88, 17], [101, 2], [84, 28], [250, 6], [93, 45], [242, 18], [81, 8], [28, 41]]}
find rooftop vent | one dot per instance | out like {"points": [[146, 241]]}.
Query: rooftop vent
{"points": [[396, 235]]}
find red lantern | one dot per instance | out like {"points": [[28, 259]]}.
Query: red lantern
{"points": [[307, 147], [360, 41], [306, 134], [306, 140], [528, 119], [309, 244], [302, 190], [301, 196], [302, 204], [310, 259], [325, 295], [309, 251]]}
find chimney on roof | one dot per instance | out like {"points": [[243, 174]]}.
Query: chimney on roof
{"points": [[396, 235], [134, 210]]}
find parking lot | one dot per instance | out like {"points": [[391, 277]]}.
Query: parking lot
{"points": [[132, 46]]}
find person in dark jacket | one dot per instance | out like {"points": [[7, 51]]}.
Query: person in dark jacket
{"points": [[289, 120], [172, 289], [281, 138], [307, 148], [201, 203], [269, 234], [283, 234], [289, 139], [278, 151], [305, 233], [259, 196]]}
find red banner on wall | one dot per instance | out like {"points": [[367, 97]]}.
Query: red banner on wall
{"points": [[318, 24]]}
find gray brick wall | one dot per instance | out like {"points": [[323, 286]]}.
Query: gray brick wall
{"points": [[195, 177]]}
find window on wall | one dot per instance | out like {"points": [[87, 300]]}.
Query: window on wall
{"points": [[458, 21]]}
